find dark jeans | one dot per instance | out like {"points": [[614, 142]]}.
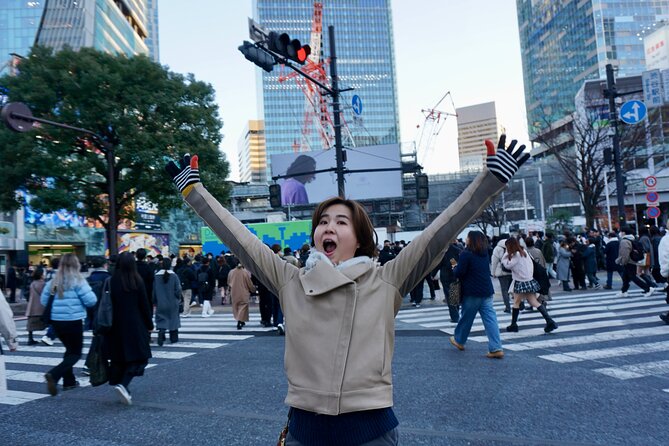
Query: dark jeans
{"points": [[430, 285], [277, 314], [592, 278], [629, 274], [417, 292], [265, 307], [71, 334], [609, 276]]}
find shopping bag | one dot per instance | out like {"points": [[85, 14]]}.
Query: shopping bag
{"points": [[96, 364]]}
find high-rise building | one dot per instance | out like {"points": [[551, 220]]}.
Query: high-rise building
{"points": [[251, 153], [476, 123], [365, 61], [118, 26], [564, 43]]}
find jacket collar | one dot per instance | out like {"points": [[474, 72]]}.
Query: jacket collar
{"points": [[320, 275]]}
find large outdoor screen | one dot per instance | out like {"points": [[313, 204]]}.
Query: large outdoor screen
{"points": [[306, 187]]}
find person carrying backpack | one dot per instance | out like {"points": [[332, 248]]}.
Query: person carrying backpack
{"points": [[629, 253], [206, 282]]}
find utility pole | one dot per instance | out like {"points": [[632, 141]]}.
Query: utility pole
{"points": [[611, 93], [339, 150]]}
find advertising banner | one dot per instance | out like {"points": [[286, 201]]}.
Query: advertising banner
{"points": [[153, 243], [305, 187], [291, 234]]}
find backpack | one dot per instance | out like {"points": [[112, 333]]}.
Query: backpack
{"points": [[637, 253], [541, 276], [97, 283], [203, 281]]}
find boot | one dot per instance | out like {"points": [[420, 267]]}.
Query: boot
{"points": [[31, 340], [239, 325], [565, 286], [174, 336], [550, 323], [161, 338], [513, 328]]}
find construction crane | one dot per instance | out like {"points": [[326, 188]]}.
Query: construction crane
{"points": [[316, 113], [432, 125]]}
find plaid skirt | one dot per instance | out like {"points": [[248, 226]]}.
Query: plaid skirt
{"points": [[531, 286]]}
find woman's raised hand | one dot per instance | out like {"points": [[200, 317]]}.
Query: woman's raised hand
{"points": [[502, 161], [184, 174]]}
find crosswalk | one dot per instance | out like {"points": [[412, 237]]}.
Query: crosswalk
{"points": [[25, 368], [622, 338]]}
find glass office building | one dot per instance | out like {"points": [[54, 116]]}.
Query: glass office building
{"points": [[365, 61], [564, 43], [19, 20]]}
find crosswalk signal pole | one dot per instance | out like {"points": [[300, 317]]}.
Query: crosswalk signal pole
{"points": [[611, 94]]}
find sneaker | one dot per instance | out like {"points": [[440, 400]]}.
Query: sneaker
{"points": [[47, 340], [51, 385], [193, 304], [282, 329], [206, 315], [86, 372], [598, 287], [211, 312], [73, 386], [184, 315], [413, 304], [499, 354], [649, 293], [456, 344], [417, 305], [621, 294], [123, 394]]}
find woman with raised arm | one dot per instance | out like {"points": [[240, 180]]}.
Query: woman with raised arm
{"points": [[342, 304]]}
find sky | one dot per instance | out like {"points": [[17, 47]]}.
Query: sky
{"points": [[468, 48]]}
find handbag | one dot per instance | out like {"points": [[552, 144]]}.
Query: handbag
{"points": [[96, 364], [103, 320], [455, 293], [46, 316]]}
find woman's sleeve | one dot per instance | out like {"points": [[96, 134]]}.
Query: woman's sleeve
{"points": [[87, 295], [253, 254], [414, 262], [44, 298]]}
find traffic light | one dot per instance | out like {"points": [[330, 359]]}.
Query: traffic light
{"points": [[289, 48], [422, 187], [608, 156], [259, 57], [275, 195]]}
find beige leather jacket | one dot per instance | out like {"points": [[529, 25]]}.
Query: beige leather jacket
{"points": [[341, 322]]}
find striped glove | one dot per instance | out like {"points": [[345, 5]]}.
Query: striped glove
{"points": [[504, 162], [185, 174]]}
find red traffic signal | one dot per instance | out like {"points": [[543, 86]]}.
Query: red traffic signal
{"points": [[289, 48]]}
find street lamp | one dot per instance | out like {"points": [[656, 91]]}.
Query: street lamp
{"points": [[18, 117], [524, 201]]}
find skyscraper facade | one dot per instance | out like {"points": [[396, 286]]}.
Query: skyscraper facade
{"points": [[251, 153], [476, 123], [365, 61], [19, 21], [564, 43]]}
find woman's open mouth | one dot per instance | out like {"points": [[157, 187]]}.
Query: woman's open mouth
{"points": [[329, 247]]}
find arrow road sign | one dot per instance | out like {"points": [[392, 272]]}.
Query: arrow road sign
{"points": [[633, 112], [356, 103]]}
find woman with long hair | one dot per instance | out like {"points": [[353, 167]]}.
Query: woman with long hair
{"points": [[127, 343], [473, 270], [166, 298], [35, 309], [72, 295], [524, 285]]}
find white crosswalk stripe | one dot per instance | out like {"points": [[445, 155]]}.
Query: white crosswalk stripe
{"points": [[26, 367], [622, 338]]}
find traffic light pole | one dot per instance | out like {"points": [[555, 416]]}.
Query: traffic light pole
{"points": [[617, 161], [339, 150], [14, 113]]}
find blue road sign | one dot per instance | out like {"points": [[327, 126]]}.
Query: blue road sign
{"points": [[356, 103], [633, 112], [653, 212]]}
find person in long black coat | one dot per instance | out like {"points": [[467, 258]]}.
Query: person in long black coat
{"points": [[127, 343]]}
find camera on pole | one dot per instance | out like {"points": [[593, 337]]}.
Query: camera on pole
{"points": [[258, 56], [291, 49]]}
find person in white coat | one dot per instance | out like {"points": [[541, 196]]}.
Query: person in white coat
{"points": [[663, 254], [8, 331]]}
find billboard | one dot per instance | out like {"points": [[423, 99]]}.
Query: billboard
{"points": [[154, 243], [656, 47], [288, 233], [305, 187]]}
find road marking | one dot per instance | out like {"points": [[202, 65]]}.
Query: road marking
{"points": [[588, 339], [14, 397], [601, 353], [633, 371]]}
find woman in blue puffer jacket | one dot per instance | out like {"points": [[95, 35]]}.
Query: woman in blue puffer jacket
{"points": [[72, 296]]}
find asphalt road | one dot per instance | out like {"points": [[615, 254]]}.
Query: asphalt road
{"points": [[601, 379]]}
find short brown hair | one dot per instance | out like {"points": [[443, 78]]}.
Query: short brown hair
{"points": [[477, 242], [362, 225]]}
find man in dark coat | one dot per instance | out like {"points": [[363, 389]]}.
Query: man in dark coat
{"points": [[386, 253], [447, 277], [611, 254], [146, 272], [11, 284]]}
